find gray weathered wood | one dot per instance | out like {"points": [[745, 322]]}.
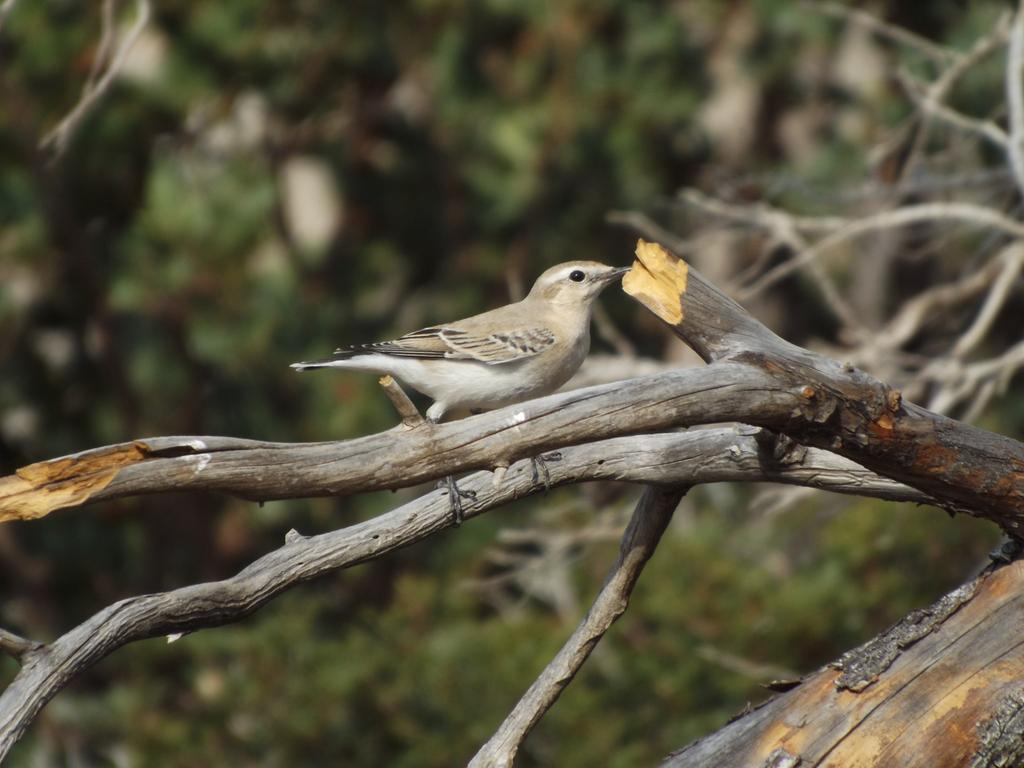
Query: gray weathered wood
{"points": [[845, 410], [683, 458], [402, 457], [946, 691], [649, 521]]}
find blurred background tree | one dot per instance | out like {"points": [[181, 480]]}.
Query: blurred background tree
{"points": [[267, 181]]}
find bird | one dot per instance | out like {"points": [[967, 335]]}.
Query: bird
{"points": [[500, 357]]}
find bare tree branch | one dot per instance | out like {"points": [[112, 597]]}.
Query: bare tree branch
{"points": [[953, 698], [410, 416], [755, 378], [5, 10], [936, 92], [985, 129], [653, 514], [1015, 97], [875, 426], [1012, 262], [59, 137], [967, 213], [17, 647], [894, 32], [688, 458]]}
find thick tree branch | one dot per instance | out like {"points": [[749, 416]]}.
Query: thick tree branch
{"points": [[650, 519], [846, 411], [890, 702], [784, 388], [400, 457], [688, 458]]}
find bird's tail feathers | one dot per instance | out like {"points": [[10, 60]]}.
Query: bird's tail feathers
{"points": [[340, 359], [311, 365]]}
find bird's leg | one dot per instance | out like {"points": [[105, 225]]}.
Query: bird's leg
{"points": [[540, 468], [455, 497]]}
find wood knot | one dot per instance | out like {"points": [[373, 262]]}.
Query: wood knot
{"points": [[808, 392]]}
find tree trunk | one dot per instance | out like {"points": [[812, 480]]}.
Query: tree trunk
{"points": [[943, 687]]}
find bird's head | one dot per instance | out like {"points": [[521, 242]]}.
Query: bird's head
{"points": [[575, 282]]}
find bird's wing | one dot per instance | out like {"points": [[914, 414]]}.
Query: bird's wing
{"points": [[455, 343], [499, 347], [425, 343]]}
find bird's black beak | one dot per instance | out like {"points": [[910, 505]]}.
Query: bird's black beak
{"points": [[614, 274]]}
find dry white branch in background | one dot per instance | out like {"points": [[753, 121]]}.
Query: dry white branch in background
{"points": [[96, 86], [949, 381], [936, 213], [933, 96], [646, 227], [1015, 98], [6, 8], [893, 32], [536, 563], [651, 518]]}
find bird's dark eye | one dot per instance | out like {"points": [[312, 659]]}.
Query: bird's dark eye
{"points": [[577, 276]]}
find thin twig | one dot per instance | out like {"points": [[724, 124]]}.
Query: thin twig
{"points": [[59, 137], [938, 90], [788, 229], [411, 416], [108, 36], [914, 313], [652, 516], [963, 382], [762, 215], [986, 129], [649, 229], [885, 29], [608, 331], [911, 214], [1015, 97], [5, 10], [1013, 261], [17, 647]]}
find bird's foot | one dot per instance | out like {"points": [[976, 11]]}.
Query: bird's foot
{"points": [[455, 497], [541, 474]]}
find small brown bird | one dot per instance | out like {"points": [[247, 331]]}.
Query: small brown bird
{"points": [[504, 356]]}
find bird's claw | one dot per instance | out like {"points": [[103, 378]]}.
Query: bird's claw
{"points": [[541, 474], [455, 497]]}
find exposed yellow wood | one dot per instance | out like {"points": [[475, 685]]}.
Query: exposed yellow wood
{"points": [[38, 489], [658, 281]]}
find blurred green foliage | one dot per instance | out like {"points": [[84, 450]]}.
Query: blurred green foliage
{"points": [[158, 279]]}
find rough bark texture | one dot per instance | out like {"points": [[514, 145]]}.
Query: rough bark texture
{"points": [[941, 688], [675, 459], [946, 691], [400, 457], [843, 409]]}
